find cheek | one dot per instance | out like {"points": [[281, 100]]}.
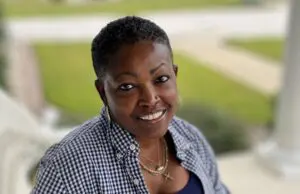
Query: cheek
{"points": [[121, 106], [121, 109], [169, 93]]}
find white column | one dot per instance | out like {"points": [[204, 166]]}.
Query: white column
{"points": [[282, 152]]}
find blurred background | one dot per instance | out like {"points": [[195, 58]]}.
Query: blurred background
{"points": [[237, 72]]}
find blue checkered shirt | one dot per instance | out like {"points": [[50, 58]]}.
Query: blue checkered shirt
{"points": [[100, 157]]}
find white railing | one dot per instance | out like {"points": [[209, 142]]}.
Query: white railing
{"points": [[23, 141]]}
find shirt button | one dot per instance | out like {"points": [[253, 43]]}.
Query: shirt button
{"points": [[181, 155], [136, 181], [187, 146], [119, 156], [132, 147]]}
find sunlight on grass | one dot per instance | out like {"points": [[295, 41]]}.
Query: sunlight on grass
{"points": [[268, 47]]}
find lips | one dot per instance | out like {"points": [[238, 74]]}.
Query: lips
{"points": [[152, 117]]}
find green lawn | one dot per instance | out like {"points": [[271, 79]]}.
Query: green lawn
{"points": [[42, 7], [68, 78], [199, 84], [68, 82], [267, 47]]}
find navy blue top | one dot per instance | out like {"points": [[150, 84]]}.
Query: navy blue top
{"points": [[193, 186]]}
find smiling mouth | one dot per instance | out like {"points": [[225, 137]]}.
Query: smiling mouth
{"points": [[153, 117]]}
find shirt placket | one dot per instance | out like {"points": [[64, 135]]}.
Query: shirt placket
{"points": [[134, 172]]}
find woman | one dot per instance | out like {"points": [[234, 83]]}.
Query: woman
{"points": [[136, 145]]}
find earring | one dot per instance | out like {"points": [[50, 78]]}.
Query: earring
{"points": [[179, 101], [107, 113]]}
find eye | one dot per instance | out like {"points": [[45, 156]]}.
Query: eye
{"points": [[162, 79], [126, 87]]}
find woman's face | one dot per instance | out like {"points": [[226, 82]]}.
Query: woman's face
{"points": [[140, 89]]}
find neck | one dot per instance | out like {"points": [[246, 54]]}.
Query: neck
{"points": [[151, 150], [148, 144]]}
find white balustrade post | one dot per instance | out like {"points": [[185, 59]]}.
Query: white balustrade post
{"points": [[282, 152]]}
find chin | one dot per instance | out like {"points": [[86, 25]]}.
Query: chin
{"points": [[157, 130]]}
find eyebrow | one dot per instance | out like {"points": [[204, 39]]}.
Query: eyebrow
{"points": [[152, 71]]}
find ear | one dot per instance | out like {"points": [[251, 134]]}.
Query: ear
{"points": [[175, 68], [100, 88]]}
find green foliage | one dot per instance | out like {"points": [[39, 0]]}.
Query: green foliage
{"points": [[271, 48], [68, 79], [42, 7], [225, 133]]}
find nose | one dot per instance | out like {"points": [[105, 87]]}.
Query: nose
{"points": [[148, 97]]}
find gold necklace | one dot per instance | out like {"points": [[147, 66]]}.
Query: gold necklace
{"points": [[158, 166], [160, 170]]}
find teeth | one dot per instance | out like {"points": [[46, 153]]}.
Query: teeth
{"points": [[152, 116]]}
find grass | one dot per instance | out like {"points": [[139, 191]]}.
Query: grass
{"points": [[68, 83], [68, 78], [23, 8], [199, 84], [271, 48]]}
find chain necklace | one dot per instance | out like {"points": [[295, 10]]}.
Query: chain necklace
{"points": [[159, 170], [154, 163]]}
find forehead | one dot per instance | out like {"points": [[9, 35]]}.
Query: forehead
{"points": [[140, 56]]}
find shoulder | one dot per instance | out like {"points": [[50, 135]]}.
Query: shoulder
{"points": [[193, 136], [70, 162], [186, 129], [78, 142]]}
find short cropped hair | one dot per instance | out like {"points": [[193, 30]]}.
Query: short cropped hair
{"points": [[123, 31]]}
